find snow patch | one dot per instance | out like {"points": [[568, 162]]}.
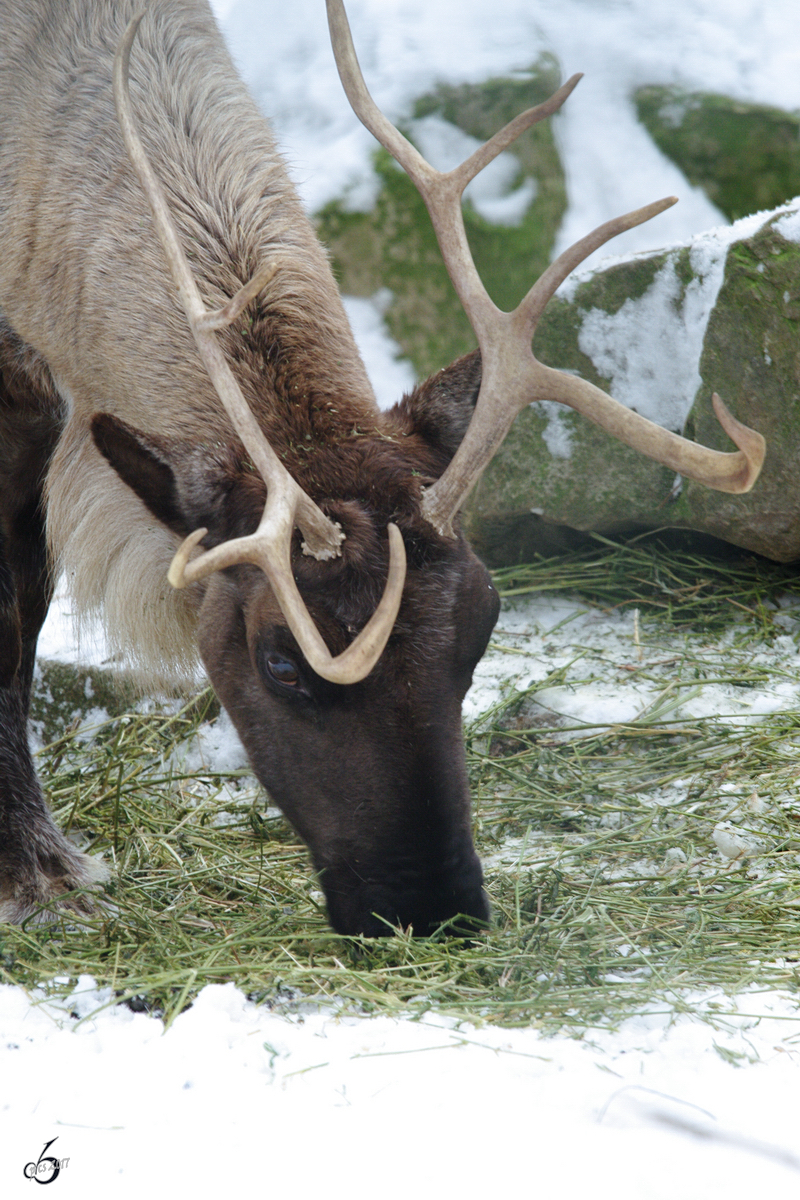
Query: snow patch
{"points": [[656, 1106], [557, 433], [789, 226], [650, 348]]}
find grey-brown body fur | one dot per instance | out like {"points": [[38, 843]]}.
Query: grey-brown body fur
{"points": [[76, 225], [90, 324]]}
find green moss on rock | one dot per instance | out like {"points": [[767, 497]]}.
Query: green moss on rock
{"points": [[745, 157], [64, 695], [750, 356]]}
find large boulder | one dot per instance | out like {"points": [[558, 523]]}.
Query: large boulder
{"points": [[661, 333]]}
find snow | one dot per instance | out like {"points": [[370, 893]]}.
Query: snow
{"points": [[391, 375], [547, 634], [236, 1097], [635, 348], [650, 349], [557, 433], [62, 637], [243, 1100], [789, 227]]}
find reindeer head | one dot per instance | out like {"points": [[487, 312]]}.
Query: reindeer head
{"points": [[370, 772]]}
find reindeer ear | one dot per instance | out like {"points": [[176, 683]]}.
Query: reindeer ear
{"points": [[440, 409], [182, 485], [141, 463]]}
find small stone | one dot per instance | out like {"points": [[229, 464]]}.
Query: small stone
{"points": [[729, 841]]}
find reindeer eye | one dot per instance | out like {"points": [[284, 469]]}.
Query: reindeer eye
{"points": [[282, 671]]}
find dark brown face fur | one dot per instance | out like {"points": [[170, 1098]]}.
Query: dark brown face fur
{"points": [[372, 775]]}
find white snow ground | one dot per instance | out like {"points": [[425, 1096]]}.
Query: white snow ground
{"points": [[234, 1100], [237, 1098]]}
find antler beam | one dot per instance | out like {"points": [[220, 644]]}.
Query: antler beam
{"points": [[287, 504]]}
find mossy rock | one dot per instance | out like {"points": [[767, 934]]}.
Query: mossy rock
{"points": [[558, 471], [751, 354], [745, 157], [394, 245], [64, 696]]}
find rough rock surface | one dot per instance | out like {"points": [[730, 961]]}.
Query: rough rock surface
{"points": [[660, 333]]}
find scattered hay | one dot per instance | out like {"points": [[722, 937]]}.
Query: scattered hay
{"points": [[630, 866]]}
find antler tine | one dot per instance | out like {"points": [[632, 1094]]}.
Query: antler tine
{"points": [[512, 377], [287, 504], [268, 548], [501, 140], [538, 297], [392, 139], [361, 101]]}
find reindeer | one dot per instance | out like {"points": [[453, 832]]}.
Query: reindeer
{"points": [[185, 422]]}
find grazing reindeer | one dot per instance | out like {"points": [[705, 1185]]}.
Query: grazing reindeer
{"points": [[201, 388]]}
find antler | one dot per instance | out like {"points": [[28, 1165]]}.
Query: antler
{"points": [[511, 376], [287, 504]]}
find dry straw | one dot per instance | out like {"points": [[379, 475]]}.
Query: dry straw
{"points": [[610, 895]]}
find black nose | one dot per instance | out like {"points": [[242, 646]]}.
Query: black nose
{"points": [[453, 902]]}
